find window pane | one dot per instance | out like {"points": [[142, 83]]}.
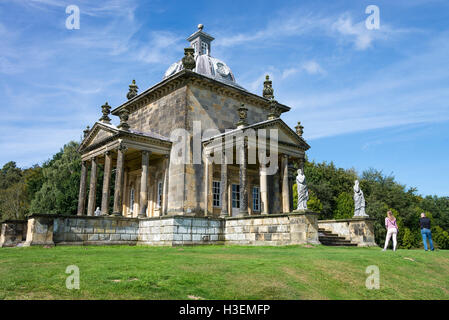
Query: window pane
{"points": [[216, 186]]}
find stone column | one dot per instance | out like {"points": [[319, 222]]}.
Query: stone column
{"points": [[224, 185], [83, 185], [92, 187], [291, 181], [165, 186], [243, 179], [206, 186], [263, 189], [285, 185], [144, 184], [106, 184], [118, 192]]}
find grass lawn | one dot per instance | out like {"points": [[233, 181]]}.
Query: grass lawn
{"points": [[222, 272]]}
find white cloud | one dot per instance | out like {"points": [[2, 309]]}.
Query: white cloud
{"points": [[380, 99], [311, 67]]}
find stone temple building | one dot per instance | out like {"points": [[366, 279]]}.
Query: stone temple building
{"points": [[201, 90], [195, 159]]}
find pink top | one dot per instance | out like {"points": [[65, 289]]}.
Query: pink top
{"points": [[390, 224]]}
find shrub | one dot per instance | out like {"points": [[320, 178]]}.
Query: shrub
{"points": [[441, 238], [408, 239]]}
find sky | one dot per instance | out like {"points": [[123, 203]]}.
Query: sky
{"points": [[367, 98]]}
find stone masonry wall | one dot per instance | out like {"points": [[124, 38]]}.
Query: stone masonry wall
{"points": [[276, 229], [281, 229], [181, 230], [12, 233], [357, 230], [87, 230]]}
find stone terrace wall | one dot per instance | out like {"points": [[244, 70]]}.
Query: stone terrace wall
{"points": [[357, 230], [12, 233], [86, 230], [281, 229], [181, 230]]}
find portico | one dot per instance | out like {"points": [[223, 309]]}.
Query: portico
{"points": [[135, 159]]}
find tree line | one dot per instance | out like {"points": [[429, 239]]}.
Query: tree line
{"points": [[53, 188]]}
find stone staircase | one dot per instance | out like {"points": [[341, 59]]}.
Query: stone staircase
{"points": [[327, 238]]}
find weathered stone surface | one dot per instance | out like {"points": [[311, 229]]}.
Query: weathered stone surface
{"points": [[357, 230], [282, 229], [40, 231], [12, 233]]}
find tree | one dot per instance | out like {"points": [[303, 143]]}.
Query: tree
{"points": [[9, 175], [314, 204], [328, 182], [408, 239], [344, 206], [441, 238], [61, 175], [14, 202]]}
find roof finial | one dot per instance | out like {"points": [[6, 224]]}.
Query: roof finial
{"points": [[133, 88], [86, 132], [268, 91], [200, 27], [106, 110], [243, 115], [188, 61], [124, 116], [299, 129], [275, 112]]}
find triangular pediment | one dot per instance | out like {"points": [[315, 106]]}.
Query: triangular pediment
{"points": [[285, 134], [98, 134]]}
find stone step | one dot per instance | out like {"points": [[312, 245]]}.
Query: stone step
{"points": [[333, 238], [338, 244], [330, 235], [328, 238]]}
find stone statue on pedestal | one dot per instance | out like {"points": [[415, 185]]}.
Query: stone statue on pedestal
{"points": [[359, 201], [303, 192]]}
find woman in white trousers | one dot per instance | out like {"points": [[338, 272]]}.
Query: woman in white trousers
{"points": [[392, 230]]}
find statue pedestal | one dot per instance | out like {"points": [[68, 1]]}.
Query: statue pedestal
{"points": [[359, 230]]}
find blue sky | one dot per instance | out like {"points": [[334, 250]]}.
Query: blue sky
{"points": [[367, 98]]}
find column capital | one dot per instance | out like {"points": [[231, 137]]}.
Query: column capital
{"points": [[122, 147]]}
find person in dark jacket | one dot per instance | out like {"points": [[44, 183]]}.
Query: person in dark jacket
{"points": [[424, 223]]}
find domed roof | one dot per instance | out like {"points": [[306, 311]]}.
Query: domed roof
{"points": [[205, 64]]}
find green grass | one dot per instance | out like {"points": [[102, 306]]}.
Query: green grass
{"points": [[222, 272]]}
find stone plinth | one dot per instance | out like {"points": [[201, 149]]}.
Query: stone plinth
{"points": [[357, 230], [40, 231], [12, 233], [273, 229]]}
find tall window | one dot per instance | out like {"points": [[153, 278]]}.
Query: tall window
{"points": [[159, 194], [216, 193], [236, 196], [256, 199], [131, 200], [204, 48], [195, 46]]}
